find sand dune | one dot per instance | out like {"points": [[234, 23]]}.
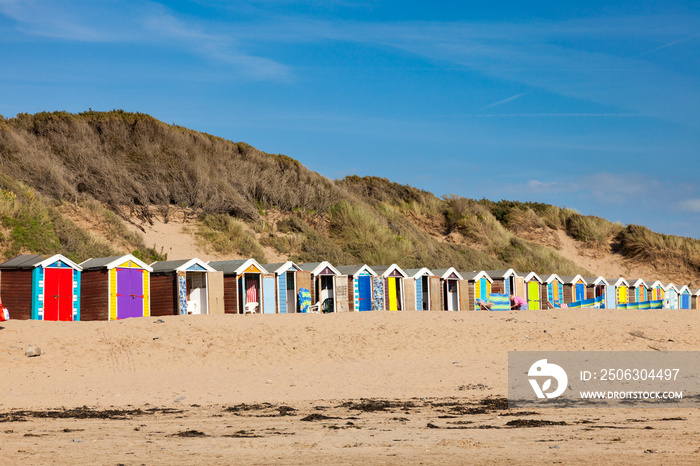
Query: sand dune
{"points": [[206, 364]]}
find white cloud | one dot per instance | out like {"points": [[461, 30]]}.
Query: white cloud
{"points": [[691, 205]]}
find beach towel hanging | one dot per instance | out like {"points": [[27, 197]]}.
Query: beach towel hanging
{"points": [[377, 293], [304, 300]]}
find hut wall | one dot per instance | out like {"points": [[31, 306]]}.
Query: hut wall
{"points": [[435, 293], [16, 292], [342, 293], [464, 295], [410, 294], [498, 286], [231, 294], [94, 285], [215, 287], [164, 295]]}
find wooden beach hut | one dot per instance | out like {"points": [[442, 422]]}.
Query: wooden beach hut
{"points": [[553, 290], [478, 285], [359, 286], [394, 290], [323, 286], [41, 287], [684, 297], [670, 296], [427, 286], [243, 285], [574, 288], [503, 281], [115, 288], [285, 287], [696, 299], [639, 291], [533, 290], [595, 287], [449, 288], [187, 286]]}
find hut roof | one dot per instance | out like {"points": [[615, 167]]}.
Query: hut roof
{"points": [[532, 275], [112, 262], [572, 279], [386, 270], [617, 281], [415, 273], [179, 265], [501, 273], [29, 261], [316, 267], [235, 267], [596, 280], [280, 267], [474, 276], [444, 273], [354, 270]]}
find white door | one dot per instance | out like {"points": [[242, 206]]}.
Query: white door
{"points": [[197, 300]]}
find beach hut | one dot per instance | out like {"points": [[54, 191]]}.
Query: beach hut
{"points": [[616, 292], [574, 288], [449, 288], [478, 285], [696, 299], [533, 291], [639, 291], [502, 281], [41, 287], [243, 285], [359, 286], [115, 288], [595, 287], [427, 286], [394, 290], [553, 290], [323, 286], [656, 289], [670, 296], [180, 287], [285, 285], [684, 297]]}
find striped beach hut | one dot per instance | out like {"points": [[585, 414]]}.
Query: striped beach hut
{"points": [[427, 289], [553, 290], [187, 286], [638, 291], [449, 288], [323, 286], [671, 296], [394, 290], [41, 287], [359, 286], [478, 285], [115, 288], [285, 286], [574, 288], [243, 285], [684, 297], [533, 290], [503, 281]]}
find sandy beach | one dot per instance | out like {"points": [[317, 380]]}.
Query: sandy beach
{"points": [[376, 387]]}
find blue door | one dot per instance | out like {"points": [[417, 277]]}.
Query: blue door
{"points": [[610, 296], [419, 294], [365, 292], [269, 301], [282, 292], [685, 301], [580, 292]]}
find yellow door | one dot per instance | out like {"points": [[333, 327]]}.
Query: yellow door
{"points": [[533, 295], [477, 293], [622, 295], [393, 302]]}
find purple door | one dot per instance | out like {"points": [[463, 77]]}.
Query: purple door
{"points": [[129, 293]]}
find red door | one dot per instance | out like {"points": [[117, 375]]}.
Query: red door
{"points": [[58, 294]]}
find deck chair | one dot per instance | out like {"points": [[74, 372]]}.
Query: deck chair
{"points": [[250, 308]]}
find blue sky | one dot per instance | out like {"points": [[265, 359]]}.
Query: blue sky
{"points": [[589, 105]]}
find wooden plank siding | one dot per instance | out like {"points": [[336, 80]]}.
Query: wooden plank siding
{"points": [[231, 294], [16, 292], [464, 296], [94, 299], [164, 295], [498, 285], [351, 294]]}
